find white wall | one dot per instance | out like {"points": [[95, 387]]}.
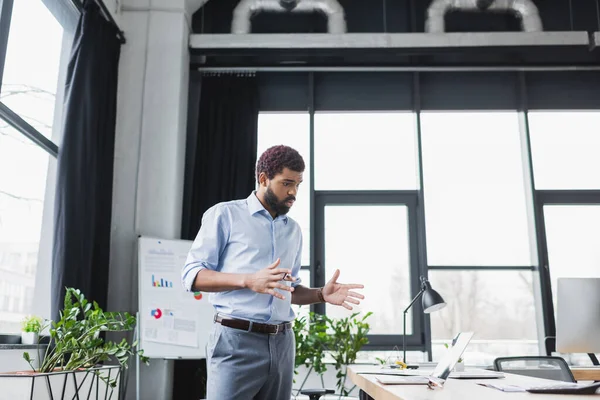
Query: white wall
{"points": [[12, 359], [149, 152]]}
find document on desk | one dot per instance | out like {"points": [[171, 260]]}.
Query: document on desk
{"points": [[402, 380], [503, 387]]}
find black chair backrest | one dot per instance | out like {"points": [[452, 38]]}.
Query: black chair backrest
{"points": [[553, 368]]}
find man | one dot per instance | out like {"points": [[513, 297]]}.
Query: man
{"points": [[248, 253]]}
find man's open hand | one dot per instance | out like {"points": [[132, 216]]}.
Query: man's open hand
{"points": [[341, 294], [268, 279]]}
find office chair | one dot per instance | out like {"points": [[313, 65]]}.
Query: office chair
{"points": [[553, 368], [315, 394]]}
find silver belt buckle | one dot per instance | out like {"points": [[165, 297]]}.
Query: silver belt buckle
{"points": [[276, 330]]}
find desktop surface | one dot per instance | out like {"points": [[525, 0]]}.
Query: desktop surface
{"points": [[586, 373], [454, 389]]}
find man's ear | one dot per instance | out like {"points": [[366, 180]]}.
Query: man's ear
{"points": [[262, 179]]}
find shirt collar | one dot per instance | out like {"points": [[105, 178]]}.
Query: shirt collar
{"points": [[254, 206]]}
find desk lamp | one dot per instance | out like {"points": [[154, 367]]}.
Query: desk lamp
{"points": [[432, 301]]}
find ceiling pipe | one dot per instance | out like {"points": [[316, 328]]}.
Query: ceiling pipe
{"points": [[525, 10], [246, 9], [192, 6]]}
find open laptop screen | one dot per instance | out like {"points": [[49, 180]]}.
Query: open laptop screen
{"points": [[445, 365]]}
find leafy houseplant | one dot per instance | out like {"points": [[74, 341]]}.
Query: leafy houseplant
{"points": [[349, 336], [342, 338], [76, 342], [311, 342], [31, 327]]}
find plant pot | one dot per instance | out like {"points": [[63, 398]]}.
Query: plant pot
{"points": [[81, 384], [459, 367], [30, 337]]}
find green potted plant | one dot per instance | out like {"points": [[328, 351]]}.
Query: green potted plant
{"points": [[348, 336], [78, 358], [342, 338], [311, 342], [31, 327]]}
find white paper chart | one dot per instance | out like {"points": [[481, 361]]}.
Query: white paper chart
{"points": [[173, 322]]}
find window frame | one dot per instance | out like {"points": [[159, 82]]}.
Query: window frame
{"points": [[408, 198], [563, 198], [421, 339], [64, 12]]}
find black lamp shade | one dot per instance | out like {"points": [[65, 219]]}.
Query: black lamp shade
{"points": [[432, 301]]}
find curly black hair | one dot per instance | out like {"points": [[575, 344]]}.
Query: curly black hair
{"points": [[276, 158]]}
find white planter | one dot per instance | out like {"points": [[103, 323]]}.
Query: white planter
{"points": [[459, 367], [30, 337], [85, 384]]}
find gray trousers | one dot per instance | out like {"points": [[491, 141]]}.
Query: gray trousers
{"points": [[249, 366]]}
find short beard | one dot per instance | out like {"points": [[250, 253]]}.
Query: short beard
{"points": [[279, 207]]}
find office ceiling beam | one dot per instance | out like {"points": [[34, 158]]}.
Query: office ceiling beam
{"points": [[399, 42]]}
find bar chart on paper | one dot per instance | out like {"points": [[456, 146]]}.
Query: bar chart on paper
{"points": [[173, 323], [162, 283]]}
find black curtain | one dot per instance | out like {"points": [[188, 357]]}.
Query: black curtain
{"points": [[82, 214], [220, 162], [221, 149]]}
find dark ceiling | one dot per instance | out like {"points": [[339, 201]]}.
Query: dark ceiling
{"points": [[401, 16]]}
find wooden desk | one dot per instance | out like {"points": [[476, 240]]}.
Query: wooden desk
{"points": [[586, 373], [454, 389]]}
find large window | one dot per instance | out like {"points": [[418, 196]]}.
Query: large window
{"points": [[365, 151], [498, 306], [475, 204], [30, 83], [22, 189], [32, 64], [370, 245], [366, 181], [291, 129], [565, 147], [492, 202], [573, 235], [476, 222]]}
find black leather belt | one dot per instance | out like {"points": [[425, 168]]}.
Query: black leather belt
{"points": [[253, 326]]}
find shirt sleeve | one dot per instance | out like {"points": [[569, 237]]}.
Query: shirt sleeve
{"points": [[207, 247], [297, 265]]}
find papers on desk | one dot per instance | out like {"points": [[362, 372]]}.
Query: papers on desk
{"points": [[472, 373], [503, 387], [555, 387], [402, 380], [402, 372]]}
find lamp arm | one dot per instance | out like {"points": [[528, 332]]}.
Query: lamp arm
{"points": [[414, 300], [404, 323]]}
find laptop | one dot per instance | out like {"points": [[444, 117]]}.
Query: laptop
{"points": [[441, 371]]}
